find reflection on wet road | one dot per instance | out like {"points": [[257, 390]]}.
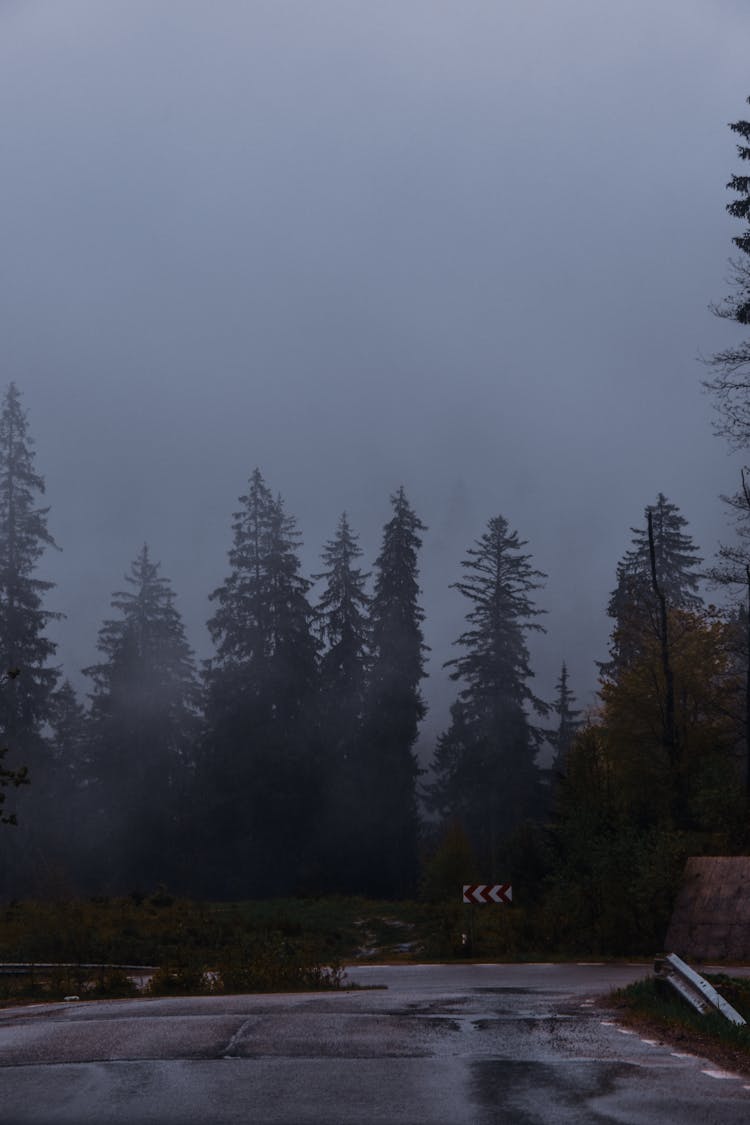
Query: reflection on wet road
{"points": [[473, 1044]]}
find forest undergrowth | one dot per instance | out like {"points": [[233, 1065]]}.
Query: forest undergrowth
{"points": [[98, 945]]}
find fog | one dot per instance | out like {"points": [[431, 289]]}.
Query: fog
{"points": [[464, 247]]}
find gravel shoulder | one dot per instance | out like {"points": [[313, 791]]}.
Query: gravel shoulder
{"points": [[684, 1039]]}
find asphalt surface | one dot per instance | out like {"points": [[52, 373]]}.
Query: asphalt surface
{"points": [[439, 1045]]}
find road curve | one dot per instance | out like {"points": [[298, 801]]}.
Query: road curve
{"points": [[435, 1045]]}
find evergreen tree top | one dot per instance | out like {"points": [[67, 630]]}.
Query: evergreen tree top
{"points": [[401, 539], [496, 555], [500, 581], [396, 580], [396, 615], [262, 604], [147, 641], [342, 608], [568, 717], [731, 363], [23, 527], [562, 704], [343, 617], [740, 209], [677, 562], [24, 537], [343, 549]]}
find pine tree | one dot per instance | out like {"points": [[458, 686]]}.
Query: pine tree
{"points": [[390, 823], [69, 738], [57, 844], [485, 773], [733, 571], [343, 623], [263, 620], [633, 603], [24, 647], [568, 723], [733, 567], [731, 383], [10, 778], [666, 765], [656, 611], [261, 759], [144, 713], [676, 556], [731, 387]]}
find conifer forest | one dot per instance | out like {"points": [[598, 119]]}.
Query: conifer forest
{"points": [[289, 762]]}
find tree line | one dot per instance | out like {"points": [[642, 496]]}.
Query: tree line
{"points": [[286, 763]]}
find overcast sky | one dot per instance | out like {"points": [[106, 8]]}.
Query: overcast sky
{"points": [[465, 247]]}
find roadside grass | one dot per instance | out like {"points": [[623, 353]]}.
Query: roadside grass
{"points": [[652, 1005], [198, 948], [270, 945], [195, 948], [161, 928]]}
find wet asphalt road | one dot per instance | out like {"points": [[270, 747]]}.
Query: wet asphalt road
{"points": [[441, 1045]]}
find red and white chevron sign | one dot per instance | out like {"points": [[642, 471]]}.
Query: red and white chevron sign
{"points": [[486, 892]]}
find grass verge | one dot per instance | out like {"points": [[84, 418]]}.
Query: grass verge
{"points": [[651, 1005], [212, 947], [197, 948]]}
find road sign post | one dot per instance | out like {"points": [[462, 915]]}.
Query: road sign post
{"points": [[478, 894], [487, 892]]}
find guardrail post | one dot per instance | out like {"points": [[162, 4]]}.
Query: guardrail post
{"points": [[694, 988]]}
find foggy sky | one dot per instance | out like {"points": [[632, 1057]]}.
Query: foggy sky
{"points": [[465, 247]]}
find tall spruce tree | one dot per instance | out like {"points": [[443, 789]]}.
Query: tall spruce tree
{"points": [[484, 764], [9, 778], [261, 761], [658, 613], [144, 713], [60, 846], [732, 571], [28, 681], [69, 737], [342, 613], [634, 603], [343, 623], [731, 381], [731, 387], [568, 722], [389, 821], [25, 649]]}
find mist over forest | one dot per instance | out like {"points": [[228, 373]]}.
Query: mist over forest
{"points": [[355, 360], [364, 247]]}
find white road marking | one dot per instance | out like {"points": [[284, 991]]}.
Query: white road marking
{"points": [[719, 1074]]}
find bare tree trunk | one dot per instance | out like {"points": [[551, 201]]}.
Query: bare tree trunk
{"points": [[669, 732], [746, 495], [747, 692]]}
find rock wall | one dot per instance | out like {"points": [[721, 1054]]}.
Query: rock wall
{"points": [[711, 917]]}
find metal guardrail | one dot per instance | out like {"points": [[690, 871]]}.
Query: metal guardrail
{"points": [[693, 987]]}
